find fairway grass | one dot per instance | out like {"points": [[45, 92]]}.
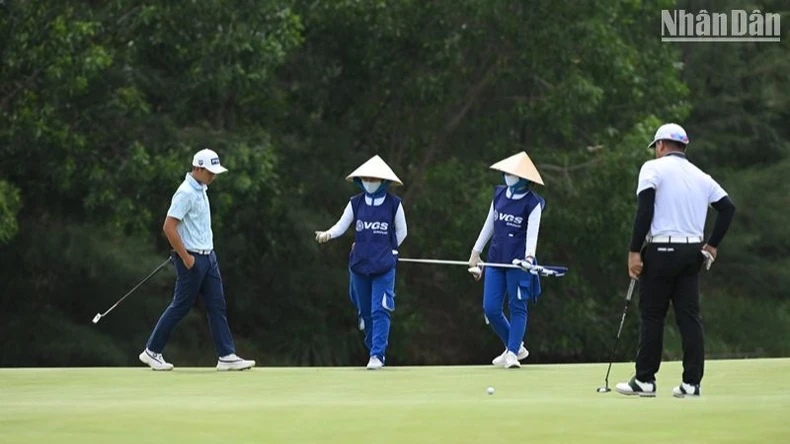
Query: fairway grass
{"points": [[743, 401]]}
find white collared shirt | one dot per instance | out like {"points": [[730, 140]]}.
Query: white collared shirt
{"points": [[683, 194]]}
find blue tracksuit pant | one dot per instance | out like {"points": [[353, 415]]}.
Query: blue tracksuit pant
{"points": [[203, 279], [374, 297], [496, 283]]}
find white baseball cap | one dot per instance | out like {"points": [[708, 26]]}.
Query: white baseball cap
{"points": [[209, 160], [670, 131]]}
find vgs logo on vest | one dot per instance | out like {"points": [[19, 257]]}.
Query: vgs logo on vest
{"points": [[377, 227], [509, 219]]}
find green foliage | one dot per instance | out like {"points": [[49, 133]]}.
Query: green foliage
{"points": [[102, 105], [9, 207], [52, 341]]}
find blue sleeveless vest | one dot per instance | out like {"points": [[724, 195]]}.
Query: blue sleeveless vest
{"points": [[375, 237], [510, 225]]}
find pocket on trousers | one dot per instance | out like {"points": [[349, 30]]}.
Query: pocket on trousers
{"points": [[388, 301], [180, 267], [524, 289], [526, 292]]}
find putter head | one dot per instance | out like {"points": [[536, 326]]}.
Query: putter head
{"points": [[96, 318], [603, 389]]}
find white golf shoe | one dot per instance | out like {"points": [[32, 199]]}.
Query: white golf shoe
{"points": [[374, 363], [499, 361], [686, 391], [233, 362], [155, 360], [511, 360], [636, 387]]}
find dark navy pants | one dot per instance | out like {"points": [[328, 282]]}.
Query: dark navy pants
{"points": [[203, 279]]}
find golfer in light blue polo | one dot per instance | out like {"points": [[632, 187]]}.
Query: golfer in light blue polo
{"points": [[188, 229]]}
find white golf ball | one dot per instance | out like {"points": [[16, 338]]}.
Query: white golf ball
{"points": [[491, 390]]}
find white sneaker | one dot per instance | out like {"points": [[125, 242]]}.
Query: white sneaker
{"points": [[375, 363], [511, 360], [636, 387], [499, 361], [233, 362], [155, 360], [686, 391]]}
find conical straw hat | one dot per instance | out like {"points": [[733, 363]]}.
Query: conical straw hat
{"points": [[377, 168], [519, 165]]}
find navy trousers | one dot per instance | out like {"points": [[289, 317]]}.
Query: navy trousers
{"points": [[205, 280]]}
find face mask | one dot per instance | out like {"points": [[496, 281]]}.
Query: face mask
{"points": [[372, 186], [511, 180]]}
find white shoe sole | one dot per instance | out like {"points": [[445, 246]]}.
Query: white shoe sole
{"points": [[516, 365], [235, 366], [520, 357], [684, 396], [155, 366], [633, 393]]}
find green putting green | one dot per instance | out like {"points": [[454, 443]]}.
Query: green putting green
{"points": [[743, 401]]}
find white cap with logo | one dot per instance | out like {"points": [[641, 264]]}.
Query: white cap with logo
{"points": [[209, 160], [670, 131]]}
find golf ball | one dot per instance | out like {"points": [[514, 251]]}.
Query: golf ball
{"points": [[491, 390]]}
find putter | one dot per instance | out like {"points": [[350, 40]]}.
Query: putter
{"points": [[101, 315], [605, 387]]}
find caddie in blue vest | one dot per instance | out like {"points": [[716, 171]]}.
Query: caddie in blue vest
{"points": [[380, 225], [512, 225]]}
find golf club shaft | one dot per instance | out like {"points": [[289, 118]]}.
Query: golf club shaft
{"points": [[619, 330], [161, 266], [446, 262], [625, 310]]}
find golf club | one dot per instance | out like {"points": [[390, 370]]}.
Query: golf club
{"points": [[446, 262], [544, 270], [605, 387], [101, 315]]}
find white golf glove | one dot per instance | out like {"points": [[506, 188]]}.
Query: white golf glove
{"points": [[322, 236], [708, 259], [525, 264], [474, 265], [528, 265]]}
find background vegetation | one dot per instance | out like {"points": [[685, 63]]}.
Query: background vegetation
{"points": [[103, 103]]}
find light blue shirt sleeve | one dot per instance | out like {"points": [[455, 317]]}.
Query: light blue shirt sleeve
{"points": [[180, 205]]}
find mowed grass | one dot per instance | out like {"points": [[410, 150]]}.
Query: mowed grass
{"points": [[744, 401]]}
